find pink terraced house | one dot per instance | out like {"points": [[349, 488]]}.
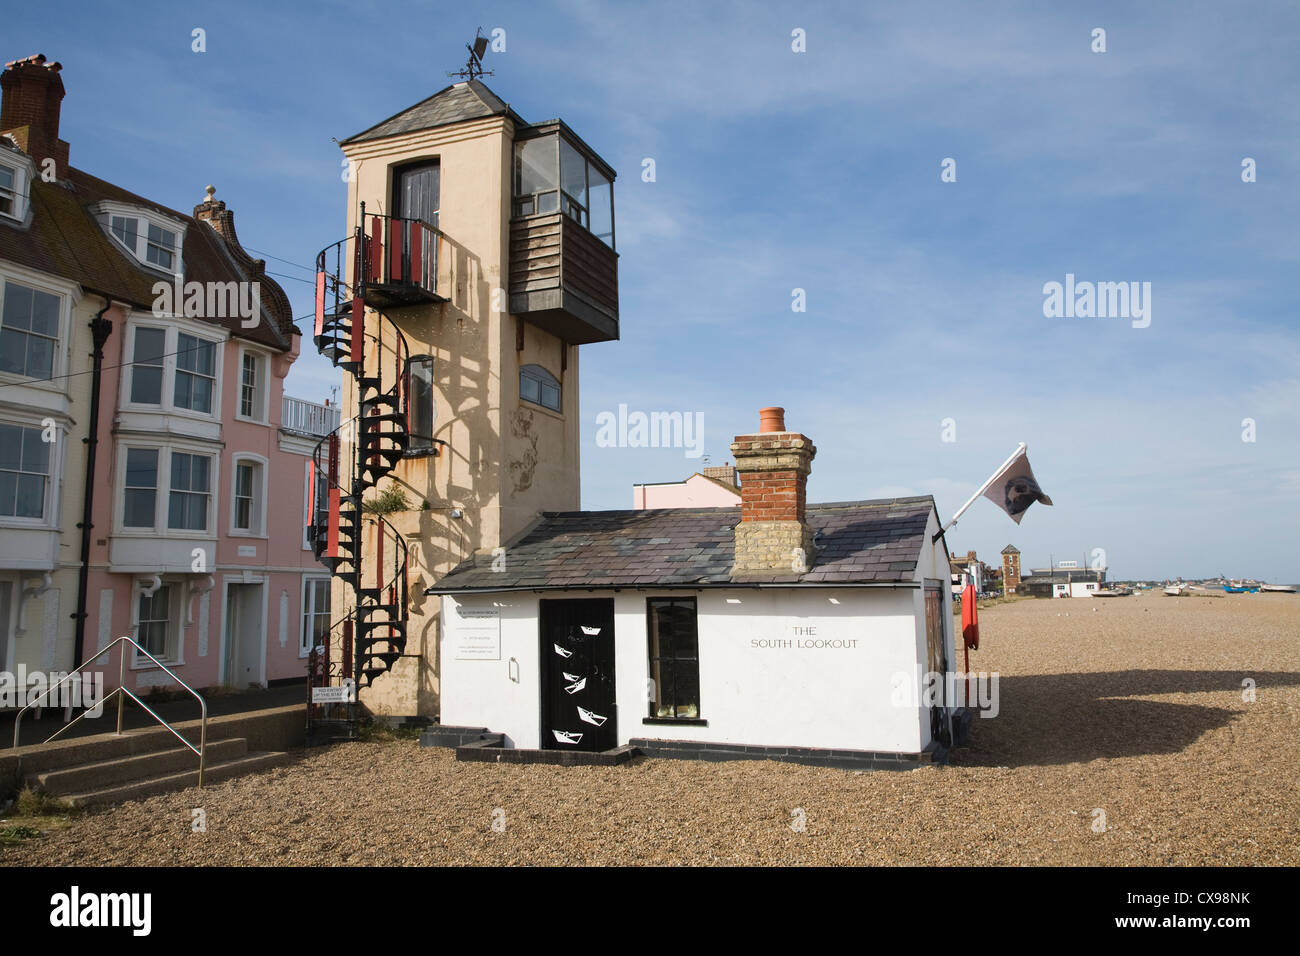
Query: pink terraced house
{"points": [[153, 475]]}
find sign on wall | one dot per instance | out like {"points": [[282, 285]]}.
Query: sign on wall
{"points": [[478, 634]]}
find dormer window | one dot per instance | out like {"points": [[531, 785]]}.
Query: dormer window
{"points": [[8, 191], [153, 240], [14, 177]]}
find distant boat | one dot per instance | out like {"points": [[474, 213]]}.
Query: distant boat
{"points": [[1279, 588], [1246, 589], [1176, 591], [1123, 592]]}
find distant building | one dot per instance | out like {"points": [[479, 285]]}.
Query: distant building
{"points": [[972, 569], [1064, 580], [1010, 569], [711, 488]]}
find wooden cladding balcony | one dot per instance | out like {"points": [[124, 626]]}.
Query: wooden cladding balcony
{"points": [[563, 279]]}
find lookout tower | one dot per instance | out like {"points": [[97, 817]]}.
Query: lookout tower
{"points": [[479, 254]]}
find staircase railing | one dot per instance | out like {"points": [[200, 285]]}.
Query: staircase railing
{"points": [[121, 692]]}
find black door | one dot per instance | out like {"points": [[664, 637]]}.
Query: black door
{"points": [[417, 192], [577, 638]]}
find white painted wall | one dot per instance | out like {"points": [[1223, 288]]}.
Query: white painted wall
{"points": [[751, 692]]}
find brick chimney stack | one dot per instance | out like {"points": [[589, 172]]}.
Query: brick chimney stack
{"points": [[774, 465], [29, 109]]}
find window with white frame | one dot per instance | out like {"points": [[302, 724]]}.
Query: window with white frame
{"points": [[252, 386], [315, 614], [196, 373], [13, 191], [167, 489], [247, 497], [173, 370], [29, 330], [190, 492], [147, 366], [154, 626], [24, 471], [139, 509], [155, 242]]}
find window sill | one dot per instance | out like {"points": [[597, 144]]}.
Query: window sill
{"points": [[535, 407], [686, 721], [251, 421], [249, 535]]}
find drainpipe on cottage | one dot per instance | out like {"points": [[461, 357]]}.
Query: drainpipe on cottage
{"points": [[100, 328]]}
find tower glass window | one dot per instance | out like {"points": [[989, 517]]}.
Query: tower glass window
{"points": [[555, 174]]}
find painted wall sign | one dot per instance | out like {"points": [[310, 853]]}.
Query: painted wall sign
{"points": [[248, 550], [807, 637], [478, 634]]}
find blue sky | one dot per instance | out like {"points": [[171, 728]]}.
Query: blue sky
{"points": [[820, 170]]}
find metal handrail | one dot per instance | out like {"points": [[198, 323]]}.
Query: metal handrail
{"points": [[120, 690]]}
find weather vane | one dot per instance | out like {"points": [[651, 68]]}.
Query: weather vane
{"points": [[474, 67]]}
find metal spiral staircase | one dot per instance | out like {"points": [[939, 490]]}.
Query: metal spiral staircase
{"points": [[393, 263]]}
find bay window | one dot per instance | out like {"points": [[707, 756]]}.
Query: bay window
{"points": [[189, 496], [172, 370], [24, 471], [29, 330], [167, 490]]}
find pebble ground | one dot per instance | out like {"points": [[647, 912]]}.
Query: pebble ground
{"points": [[1129, 707]]}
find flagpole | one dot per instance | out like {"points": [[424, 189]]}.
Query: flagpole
{"points": [[983, 488]]}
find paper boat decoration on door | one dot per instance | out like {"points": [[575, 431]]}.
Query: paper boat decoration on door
{"points": [[591, 718], [570, 677], [567, 737], [576, 686], [562, 651], [590, 631]]}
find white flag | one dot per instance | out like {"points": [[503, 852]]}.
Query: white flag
{"points": [[1014, 488]]}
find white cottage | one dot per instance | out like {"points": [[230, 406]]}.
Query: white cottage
{"points": [[772, 630]]}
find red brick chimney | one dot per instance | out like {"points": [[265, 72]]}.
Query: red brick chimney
{"points": [[29, 109], [773, 534]]}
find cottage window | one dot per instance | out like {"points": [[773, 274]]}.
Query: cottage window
{"points": [[147, 366], [674, 657], [540, 387], [29, 331]]}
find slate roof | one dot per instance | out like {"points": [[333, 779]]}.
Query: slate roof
{"points": [[453, 104], [64, 239], [861, 542]]}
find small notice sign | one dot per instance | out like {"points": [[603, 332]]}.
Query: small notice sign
{"points": [[334, 695], [478, 634]]}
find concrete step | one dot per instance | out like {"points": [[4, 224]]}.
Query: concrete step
{"points": [[99, 774], [135, 790]]}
